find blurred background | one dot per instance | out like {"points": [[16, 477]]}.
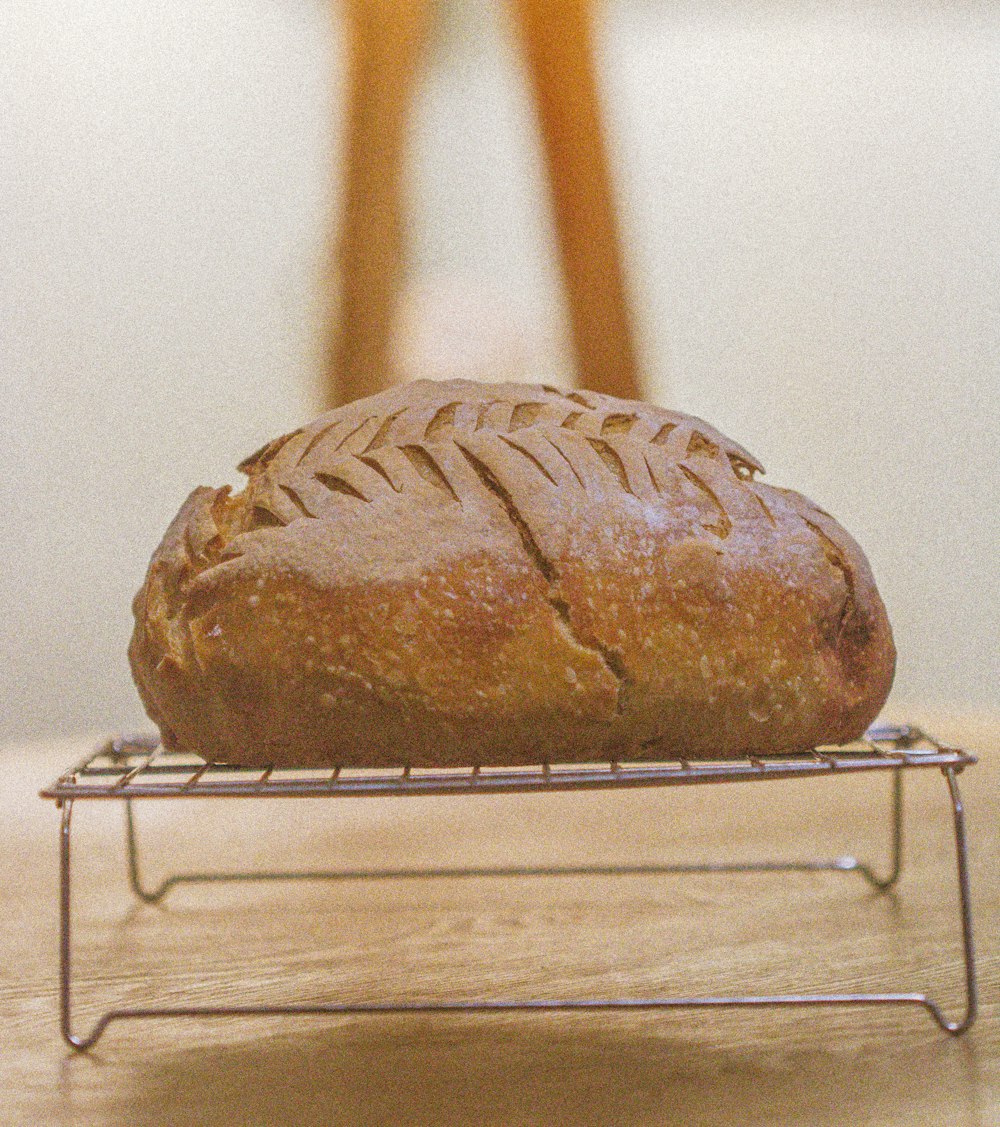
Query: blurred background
{"points": [[810, 203]]}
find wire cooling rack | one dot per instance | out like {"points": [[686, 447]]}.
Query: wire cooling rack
{"points": [[134, 768], [139, 767]]}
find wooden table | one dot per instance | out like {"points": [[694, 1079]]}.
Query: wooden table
{"points": [[511, 937]]}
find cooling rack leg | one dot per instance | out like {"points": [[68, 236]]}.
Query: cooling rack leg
{"points": [[64, 924], [883, 884], [65, 936], [965, 906], [897, 832], [853, 865], [147, 896]]}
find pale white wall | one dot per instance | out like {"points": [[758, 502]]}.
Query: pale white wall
{"points": [[812, 210]]}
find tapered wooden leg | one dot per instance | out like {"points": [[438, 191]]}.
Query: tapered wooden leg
{"points": [[386, 44], [557, 41]]}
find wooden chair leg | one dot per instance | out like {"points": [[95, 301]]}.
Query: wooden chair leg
{"points": [[386, 45], [556, 38]]}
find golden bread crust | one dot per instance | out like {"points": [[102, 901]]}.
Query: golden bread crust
{"points": [[458, 573]]}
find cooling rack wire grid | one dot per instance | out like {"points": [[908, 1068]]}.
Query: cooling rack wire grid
{"points": [[137, 768]]}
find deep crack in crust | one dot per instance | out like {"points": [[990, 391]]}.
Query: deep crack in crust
{"points": [[545, 566], [459, 573]]}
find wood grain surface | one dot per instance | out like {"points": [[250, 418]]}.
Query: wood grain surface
{"points": [[513, 937]]}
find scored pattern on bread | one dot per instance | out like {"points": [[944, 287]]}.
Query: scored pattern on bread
{"points": [[329, 449], [498, 573], [611, 434]]}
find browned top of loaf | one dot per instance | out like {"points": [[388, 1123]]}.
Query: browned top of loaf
{"points": [[449, 568], [428, 446]]}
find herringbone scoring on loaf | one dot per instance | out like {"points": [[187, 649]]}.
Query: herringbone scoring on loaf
{"points": [[460, 573]]}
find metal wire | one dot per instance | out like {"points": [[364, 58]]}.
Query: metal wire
{"points": [[845, 864], [136, 768]]}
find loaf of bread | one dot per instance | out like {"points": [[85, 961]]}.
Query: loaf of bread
{"points": [[459, 573]]}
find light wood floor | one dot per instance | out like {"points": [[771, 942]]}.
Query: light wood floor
{"points": [[518, 937]]}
